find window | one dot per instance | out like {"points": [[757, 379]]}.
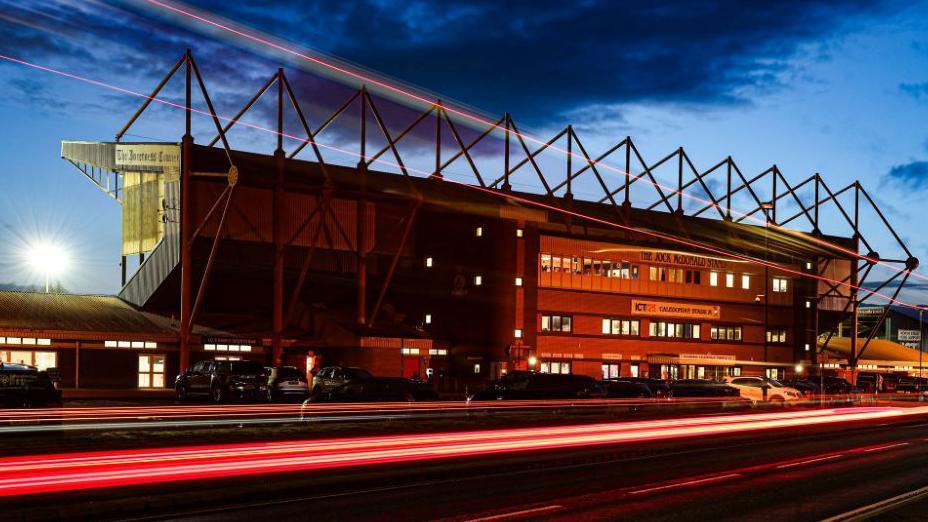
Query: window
{"points": [[438, 351], [808, 265], [725, 333], [808, 304], [713, 279], [745, 282], [410, 351], [779, 284], [634, 368], [151, 371], [555, 323], [693, 277], [774, 373], [610, 370], [428, 262], [41, 360], [776, 335], [518, 281], [555, 367], [652, 273], [478, 280], [519, 232], [620, 326], [518, 333], [428, 318], [545, 262], [729, 280], [807, 347], [476, 367], [478, 232], [678, 330], [734, 371], [227, 358]]}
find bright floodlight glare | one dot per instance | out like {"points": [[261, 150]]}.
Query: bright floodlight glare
{"points": [[47, 260]]}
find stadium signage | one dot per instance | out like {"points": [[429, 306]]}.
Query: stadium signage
{"points": [[662, 309], [675, 258]]}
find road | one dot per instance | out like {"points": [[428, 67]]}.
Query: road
{"points": [[786, 466]]}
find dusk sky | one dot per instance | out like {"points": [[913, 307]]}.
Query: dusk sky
{"points": [[839, 88]]}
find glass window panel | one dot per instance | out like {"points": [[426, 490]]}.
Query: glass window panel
{"points": [[607, 326], [713, 279], [125, 344], [157, 380], [729, 280], [144, 364], [45, 342], [565, 324], [144, 380], [21, 357]]}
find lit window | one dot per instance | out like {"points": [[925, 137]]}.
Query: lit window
{"points": [[410, 351], [610, 370], [246, 348], [808, 265], [620, 327], [151, 371], [29, 340], [222, 347], [555, 323], [776, 335], [713, 279], [209, 347], [478, 280], [45, 342], [734, 371], [110, 344], [233, 347], [14, 340], [519, 232], [729, 280], [151, 345], [479, 231], [745, 281], [428, 262], [518, 281], [807, 347], [779, 284], [477, 368], [428, 318], [808, 304], [518, 333], [138, 344], [125, 344]]}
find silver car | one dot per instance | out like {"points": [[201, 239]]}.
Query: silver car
{"points": [[286, 382]]}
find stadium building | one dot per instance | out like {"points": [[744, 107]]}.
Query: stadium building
{"points": [[312, 263]]}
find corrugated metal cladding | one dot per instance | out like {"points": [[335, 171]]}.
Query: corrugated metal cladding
{"points": [[251, 216], [102, 155], [161, 261]]}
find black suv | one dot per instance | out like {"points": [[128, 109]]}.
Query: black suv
{"points": [[222, 380], [530, 385], [23, 385]]}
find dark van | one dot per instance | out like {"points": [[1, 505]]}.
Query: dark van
{"points": [[22, 385]]}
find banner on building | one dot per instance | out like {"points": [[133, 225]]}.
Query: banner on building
{"points": [[145, 168], [685, 310]]}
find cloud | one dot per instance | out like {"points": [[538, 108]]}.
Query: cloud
{"points": [[912, 175], [919, 91]]}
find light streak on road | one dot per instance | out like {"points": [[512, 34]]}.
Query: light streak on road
{"points": [[75, 471]]}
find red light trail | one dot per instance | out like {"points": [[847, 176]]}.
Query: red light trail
{"points": [[75, 471], [483, 121], [659, 235]]}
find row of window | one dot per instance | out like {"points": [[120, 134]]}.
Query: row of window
{"points": [[25, 341], [227, 347], [563, 323], [587, 266], [627, 270], [130, 344], [432, 351], [613, 370]]}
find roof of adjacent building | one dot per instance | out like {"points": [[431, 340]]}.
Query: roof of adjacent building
{"points": [[74, 313]]}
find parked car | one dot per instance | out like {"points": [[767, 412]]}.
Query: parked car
{"points": [[332, 377], [764, 389], [519, 385], [222, 380], [806, 387], [378, 389], [22, 385], [286, 382], [912, 384], [702, 388], [890, 382], [659, 388], [620, 389], [870, 382]]}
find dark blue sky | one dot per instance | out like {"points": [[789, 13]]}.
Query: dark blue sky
{"points": [[835, 87]]}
